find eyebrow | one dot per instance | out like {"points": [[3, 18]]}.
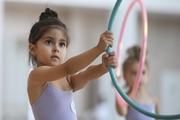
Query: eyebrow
{"points": [[49, 37]]}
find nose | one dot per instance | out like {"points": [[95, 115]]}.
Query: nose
{"points": [[55, 48]]}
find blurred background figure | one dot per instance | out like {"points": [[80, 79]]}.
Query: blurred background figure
{"points": [[142, 98]]}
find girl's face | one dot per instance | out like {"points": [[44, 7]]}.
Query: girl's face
{"points": [[131, 73], [50, 49]]}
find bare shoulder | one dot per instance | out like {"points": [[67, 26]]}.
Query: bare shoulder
{"points": [[155, 99], [46, 73], [40, 70], [157, 106], [34, 88]]}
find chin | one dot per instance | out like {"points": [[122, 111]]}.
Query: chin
{"points": [[55, 64]]}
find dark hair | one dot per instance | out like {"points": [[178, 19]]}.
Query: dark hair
{"points": [[133, 56], [47, 20]]}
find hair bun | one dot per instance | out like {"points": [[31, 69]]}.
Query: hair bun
{"points": [[48, 14], [134, 51]]}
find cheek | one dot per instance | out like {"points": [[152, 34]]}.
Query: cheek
{"points": [[144, 79], [42, 56], [45, 52], [131, 81], [42, 49], [133, 78], [63, 54]]}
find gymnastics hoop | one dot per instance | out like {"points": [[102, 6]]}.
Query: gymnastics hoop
{"points": [[142, 55], [114, 79]]}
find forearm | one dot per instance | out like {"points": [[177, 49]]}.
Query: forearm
{"points": [[121, 110], [91, 73], [81, 61]]}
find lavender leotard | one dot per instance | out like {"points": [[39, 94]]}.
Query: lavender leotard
{"points": [[54, 104], [135, 115]]}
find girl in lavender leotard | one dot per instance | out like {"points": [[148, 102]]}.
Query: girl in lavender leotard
{"points": [[142, 98], [52, 81]]}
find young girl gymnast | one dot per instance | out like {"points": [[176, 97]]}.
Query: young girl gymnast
{"points": [[142, 98], [52, 81]]}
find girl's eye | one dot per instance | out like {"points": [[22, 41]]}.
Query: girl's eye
{"points": [[48, 42], [143, 72], [62, 44]]}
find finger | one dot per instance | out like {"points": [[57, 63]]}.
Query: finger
{"points": [[108, 34], [112, 53], [110, 58], [112, 64], [114, 58], [105, 56], [110, 43]]}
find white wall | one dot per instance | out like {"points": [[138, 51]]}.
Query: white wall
{"points": [[170, 87], [1, 56], [15, 66]]}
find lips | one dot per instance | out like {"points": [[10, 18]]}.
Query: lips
{"points": [[55, 57]]}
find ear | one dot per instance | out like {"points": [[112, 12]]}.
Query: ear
{"points": [[32, 49]]}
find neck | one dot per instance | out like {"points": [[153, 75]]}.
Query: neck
{"points": [[141, 90]]}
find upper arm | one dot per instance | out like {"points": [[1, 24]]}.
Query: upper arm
{"points": [[157, 107], [81, 79], [47, 73], [121, 110], [78, 81]]}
